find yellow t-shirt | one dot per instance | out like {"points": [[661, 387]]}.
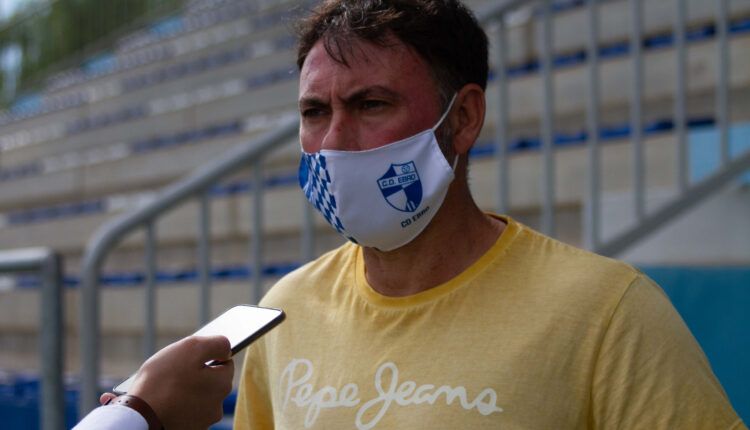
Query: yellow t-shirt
{"points": [[534, 335]]}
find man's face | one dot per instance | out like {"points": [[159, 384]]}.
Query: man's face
{"points": [[383, 95]]}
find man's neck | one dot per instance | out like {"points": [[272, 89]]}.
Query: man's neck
{"points": [[458, 235]]}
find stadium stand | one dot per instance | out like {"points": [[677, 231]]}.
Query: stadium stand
{"points": [[101, 139]]}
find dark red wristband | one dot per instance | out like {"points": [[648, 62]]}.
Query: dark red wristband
{"points": [[139, 405]]}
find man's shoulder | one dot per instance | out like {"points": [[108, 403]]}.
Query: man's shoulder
{"points": [[563, 256], [312, 279], [569, 267]]}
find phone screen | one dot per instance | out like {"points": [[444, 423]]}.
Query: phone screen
{"points": [[241, 324]]}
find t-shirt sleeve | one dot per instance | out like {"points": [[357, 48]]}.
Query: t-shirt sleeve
{"points": [[651, 373], [253, 408], [112, 417]]}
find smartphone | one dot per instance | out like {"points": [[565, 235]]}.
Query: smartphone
{"points": [[241, 324]]}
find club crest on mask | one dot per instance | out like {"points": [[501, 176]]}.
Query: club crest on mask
{"points": [[401, 187]]}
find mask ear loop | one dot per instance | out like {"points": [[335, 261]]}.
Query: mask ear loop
{"points": [[442, 118], [445, 114]]}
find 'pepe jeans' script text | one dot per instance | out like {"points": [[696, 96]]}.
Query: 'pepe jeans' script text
{"points": [[298, 390]]}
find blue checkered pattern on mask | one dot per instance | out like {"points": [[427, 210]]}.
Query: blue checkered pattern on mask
{"points": [[314, 181]]}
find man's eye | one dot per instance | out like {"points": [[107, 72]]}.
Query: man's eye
{"points": [[372, 104], [311, 113]]}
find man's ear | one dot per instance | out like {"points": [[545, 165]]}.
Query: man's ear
{"points": [[467, 117]]}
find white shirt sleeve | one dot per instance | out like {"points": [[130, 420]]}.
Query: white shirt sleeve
{"points": [[112, 417]]}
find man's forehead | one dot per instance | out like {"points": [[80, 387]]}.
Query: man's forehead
{"points": [[351, 48], [364, 63]]}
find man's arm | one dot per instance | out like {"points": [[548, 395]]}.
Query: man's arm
{"points": [[651, 373]]}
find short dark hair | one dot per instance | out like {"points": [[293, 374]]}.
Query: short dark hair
{"points": [[444, 33]]}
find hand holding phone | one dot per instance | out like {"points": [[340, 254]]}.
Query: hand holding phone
{"points": [[177, 390], [241, 325]]}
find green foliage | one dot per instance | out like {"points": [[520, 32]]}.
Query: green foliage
{"points": [[60, 34]]}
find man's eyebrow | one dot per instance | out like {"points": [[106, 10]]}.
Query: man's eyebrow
{"points": [[375, 90], [353, 98], [311, 102]]}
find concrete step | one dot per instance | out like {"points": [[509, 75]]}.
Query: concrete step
{"points": [[122, 327], [186, 47], [137, 170], [192, 117], [525, 93], [231, 215], [569, 34]]}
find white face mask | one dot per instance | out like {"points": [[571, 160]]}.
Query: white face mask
{"points": [[383, 197]]}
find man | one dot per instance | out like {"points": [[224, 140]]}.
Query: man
{"points": [[173, 389], [437, 315]]}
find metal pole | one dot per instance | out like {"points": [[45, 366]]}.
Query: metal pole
{"points": [[149, 340], [636, 118], [204, 258], [307, 248], [256, 236], [52, 413], [501, 125], [592, 214], [548, 104], [90, 334], [680, 100], [48, 265], [722, 88]]}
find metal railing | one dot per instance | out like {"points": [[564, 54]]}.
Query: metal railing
{"points": [[196, 186], [688, 194], [253, 154], [49, 266]]}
